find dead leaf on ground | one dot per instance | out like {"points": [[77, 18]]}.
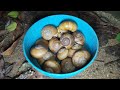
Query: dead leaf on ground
{"points": [[8, 69], [10, 50]]}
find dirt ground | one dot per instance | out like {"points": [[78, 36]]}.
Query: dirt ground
{"points": [[107, 63]]}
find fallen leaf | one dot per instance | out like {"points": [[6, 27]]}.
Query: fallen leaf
{"points": [[10, 50], [11, 27], [8, 69], [13, 14], [118, 37], [6, 42]]}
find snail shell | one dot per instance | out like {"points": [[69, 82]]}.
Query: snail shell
{"points": [[52, 66], [80, 58], [62, 53], [42, 42], [48, 32], [71, 52], [47, 56], [38, 51], [67, 65], [67, 40], [79, 38], [67, 25], [77, 46], [54, 45]]}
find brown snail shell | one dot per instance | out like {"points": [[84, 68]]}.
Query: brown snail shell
{"points": [[62, 53], [67, 25], [67, 40], [52, 66], [38, 51], [54, 45], [42, 42], [67, 65], [80, 58], [48, 32], [47, 56], [77, 46], [71, 52], [79, 38]]}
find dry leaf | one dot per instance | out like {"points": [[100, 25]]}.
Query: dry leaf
{"points": [[10, 50], [8, 69]]}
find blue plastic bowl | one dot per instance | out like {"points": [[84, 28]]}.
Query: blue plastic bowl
{"points": [[34, 33]]}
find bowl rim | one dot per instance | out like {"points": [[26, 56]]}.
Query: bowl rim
{"points": [[61, 75]]}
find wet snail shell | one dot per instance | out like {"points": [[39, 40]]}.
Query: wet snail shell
{"points": [[62, 53], [47, 56], [67, 65], [71, 52], [48, 32], [79, 38], [42, 42], [38, 51], [77, 46], [52, 66], [67, 40], [67, 25], [80, 58], [54, 45]]}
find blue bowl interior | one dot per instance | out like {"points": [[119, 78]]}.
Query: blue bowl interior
{"points": [[34, 33]]}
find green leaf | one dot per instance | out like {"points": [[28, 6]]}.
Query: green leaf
{"points": [[11, 27], [118, 37], [13, 14]]}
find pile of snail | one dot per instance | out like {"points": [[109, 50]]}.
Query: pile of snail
{"points": [[60, 50]]}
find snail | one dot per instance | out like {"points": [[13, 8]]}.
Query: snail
{"points": [[79, 38], [80, 58], [67, 65], [48, 32], [54, 45], [62, 53], [38, 51], [42, 42], [67, 25], [52, 66], [71, 52], [47, 56], [59, 34], [67, 40], [77, 46]]}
